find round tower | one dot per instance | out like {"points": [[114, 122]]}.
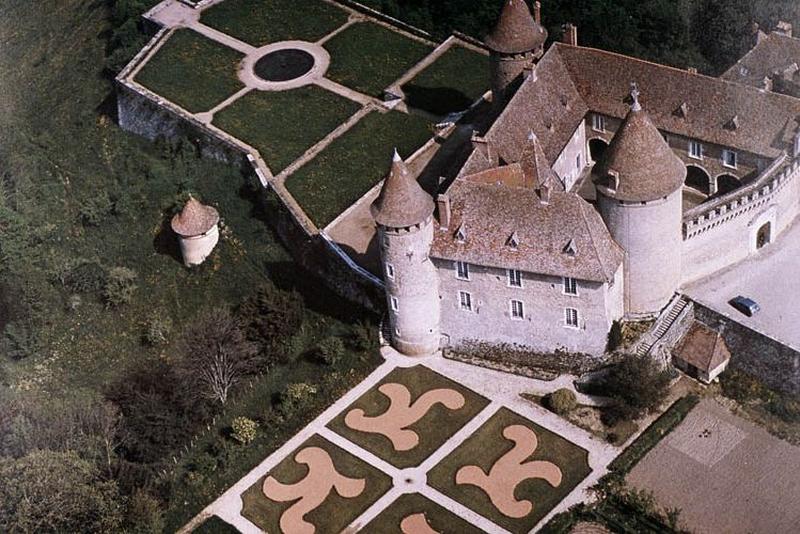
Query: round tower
{"points": [[198, 234], [639, 183], [515, 43], [404, 214]]}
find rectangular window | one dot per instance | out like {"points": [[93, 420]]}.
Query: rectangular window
{"points": [[598, 123], [571, 317], [570, 286], [517, 309], [514, 278], [395, 304], [390, 271], [462, 270], [695, 149], [465, 300], [729, 158], [578, 162]]}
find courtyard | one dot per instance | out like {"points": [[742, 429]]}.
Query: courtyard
{"points": [[770, 278], [421, 445], [726, 474]]}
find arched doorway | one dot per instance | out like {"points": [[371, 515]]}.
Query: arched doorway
{"points": [[698, 179], [764, 236], [597, 147], [727, 183]]}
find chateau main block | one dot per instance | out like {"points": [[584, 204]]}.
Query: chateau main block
{"points": [[597, 186]]}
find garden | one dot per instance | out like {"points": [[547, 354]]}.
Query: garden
{"points": [[404, 515], [192, 71]]}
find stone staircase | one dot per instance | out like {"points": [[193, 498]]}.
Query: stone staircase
{"points": [[665, 321]]}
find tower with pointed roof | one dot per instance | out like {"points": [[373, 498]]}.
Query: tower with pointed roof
{"points": [[197, 230], [639, 183], [515, 43], [404, 214]]}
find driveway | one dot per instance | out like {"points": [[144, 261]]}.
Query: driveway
{"points": [[771, 278]]}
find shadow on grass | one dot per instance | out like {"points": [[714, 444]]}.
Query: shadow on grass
{"points": [[166, 242], [436, 100]]}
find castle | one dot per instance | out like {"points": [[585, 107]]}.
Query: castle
{"points": [[600, 185]]}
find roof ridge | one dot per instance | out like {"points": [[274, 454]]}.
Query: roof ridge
{"points": [[581, 203]]}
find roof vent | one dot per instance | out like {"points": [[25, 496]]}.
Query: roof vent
{"points": [[513, 241], [732, 124], [682, 111], [461, 234], [565, 101], [570, 249]]}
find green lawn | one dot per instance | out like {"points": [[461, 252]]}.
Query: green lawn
{"points": [[260, 22], [369, 57], [192, 71], [354, 163], [487, 445], [215, 525], [282, 125], [336, 512], [440, 519], [452, 83], [436, 427]]}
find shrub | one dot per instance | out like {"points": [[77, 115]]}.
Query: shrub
{"points": [[561, 401], [244, 430], [271, 315], [19, 341], [157, 330], [144, 514], [614, 336], [119, 287], [95, 210], [295, 397], [83, 277], [637, 385], [330, 351], [365, 337]]}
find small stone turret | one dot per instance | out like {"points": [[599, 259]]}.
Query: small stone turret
{"points": [[198, 234], [639, 183], [404, 214], [515, 43]]}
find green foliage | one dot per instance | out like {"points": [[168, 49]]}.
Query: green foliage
{"points": [[365, 337], [330, 351], [295, 397], [244, 430], [48, 491], [157, 330], [637, 385], [749, 390], [19, 341], [82, 276], [144, 514], [271, 316], [96, 209], [215, 525], [562, 401], [120, 286]]}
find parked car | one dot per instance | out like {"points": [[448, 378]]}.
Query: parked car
{"points": [[747, 306]]}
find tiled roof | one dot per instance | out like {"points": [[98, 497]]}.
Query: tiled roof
{"points": [[644, 166], [195, 219], [767, 121], [489, 214], [402, 202], [516, 31], [702, 348], [772, 55]]}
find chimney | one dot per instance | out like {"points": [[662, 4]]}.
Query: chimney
{"points": [[784, 28], [692, 70], [443, 204], [766, 84], [570, 36], [537, 12]]}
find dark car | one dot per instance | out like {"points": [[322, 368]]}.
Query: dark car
{"points": [[747, 306]]}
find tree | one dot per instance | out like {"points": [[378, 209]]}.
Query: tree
{"points": [[271, 315], [48, 491], [637, 385], [216, 355]]}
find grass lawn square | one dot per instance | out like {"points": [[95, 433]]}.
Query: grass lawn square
{"points": [[192, 71], [333, 513], [432, 424], [283, 125], [261, 22], [369, 57], [406, 511], [488, 448], [452, 83], [351, 165]]}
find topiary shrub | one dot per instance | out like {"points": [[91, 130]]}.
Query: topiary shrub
{"points": [[119, 287], [330, 351], [157, 330], [561, 401], [244, 430]]}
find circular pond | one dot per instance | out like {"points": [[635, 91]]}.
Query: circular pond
{"points": [[284, 65]]}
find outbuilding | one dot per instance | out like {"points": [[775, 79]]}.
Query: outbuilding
{"points": [[702, 353], [198, 232]]}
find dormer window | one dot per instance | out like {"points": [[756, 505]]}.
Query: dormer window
{"points": [[729, 158], [570, 249], [461, 234], [513, 241], [733, 124], [598, 123], [683, 111]]}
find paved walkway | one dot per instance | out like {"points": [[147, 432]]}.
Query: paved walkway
{"points": [[502, 389]]}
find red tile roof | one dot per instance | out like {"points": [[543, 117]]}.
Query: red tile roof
{"points": [[702, 348]]}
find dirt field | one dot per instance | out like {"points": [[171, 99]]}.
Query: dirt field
{"points": [[725, 474]]}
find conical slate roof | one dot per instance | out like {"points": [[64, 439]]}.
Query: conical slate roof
{"points": [[516, 30], [402, 202], [195, 219], [535, 168], [646, 167]]}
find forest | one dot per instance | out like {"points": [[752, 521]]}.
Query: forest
{"points": [[104, 417]]}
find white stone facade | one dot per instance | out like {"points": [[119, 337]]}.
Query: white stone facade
{"points": [[196, 249]]}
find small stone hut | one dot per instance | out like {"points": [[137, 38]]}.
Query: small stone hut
{"points": [[198, 232], [702, 353]]}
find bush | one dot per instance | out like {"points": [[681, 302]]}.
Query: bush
{"points": [[272, 316], [19, 341], [295, 397], [365, 337], [614, 336], [157, 330], [119, 286], [144, 514], [561, 401], [95, 210], [83, 277], [637, 385], [244, 430], [330, 351]]}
